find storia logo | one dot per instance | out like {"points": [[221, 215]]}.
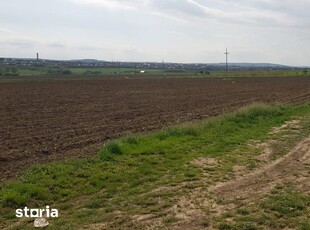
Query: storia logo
{"points": [[37, 212]]}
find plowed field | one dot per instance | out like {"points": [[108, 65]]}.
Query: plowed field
{"points": [[43, 121]]}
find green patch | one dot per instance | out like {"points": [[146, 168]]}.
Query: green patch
{"points": [[286, 203], [111, 150], [17, 194], [284, 207]]}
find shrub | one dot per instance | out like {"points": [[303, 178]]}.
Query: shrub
{"points": [[111, 150]]}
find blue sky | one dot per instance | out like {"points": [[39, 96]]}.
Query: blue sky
{"points": [[274, 31]]}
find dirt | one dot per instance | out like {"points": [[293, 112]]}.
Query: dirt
{"points": [[256, 184], [292, 125], [44, 121], [205, 162], [199, 207]]}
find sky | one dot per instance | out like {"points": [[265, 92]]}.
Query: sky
{"points": [[186, 31]]}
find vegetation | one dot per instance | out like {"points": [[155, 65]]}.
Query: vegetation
{"points": [[284, 207], [8, 71], [127, 175], [46, 70]]}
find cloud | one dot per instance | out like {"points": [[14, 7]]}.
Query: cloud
{"points": [[261, 12], [56, 45], [225, 14], [114, 4], [21, 43], [297, 12], [178, 7], [6, 31]]}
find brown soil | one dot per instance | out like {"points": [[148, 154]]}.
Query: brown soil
{"points": [[44, 121]]}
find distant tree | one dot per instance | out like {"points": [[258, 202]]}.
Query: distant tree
{"points": [[66, 71], [50, 70], [305, 71], [14, 69]]}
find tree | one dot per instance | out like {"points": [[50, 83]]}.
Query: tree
{"points": [[66, 71], [14, 69]]}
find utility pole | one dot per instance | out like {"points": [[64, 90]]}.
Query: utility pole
{"points": [[119, 68], [163, 66], [226, 53]]}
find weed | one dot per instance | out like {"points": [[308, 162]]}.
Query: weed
{"points": [[111, 150]]}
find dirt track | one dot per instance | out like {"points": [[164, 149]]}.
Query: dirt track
{"points": [[42, 121], [245, 185], [257, 183]]}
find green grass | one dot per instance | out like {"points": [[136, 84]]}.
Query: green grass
{"points": [[125, 174], [284, 207], [132, 72], [89, 71], [114, 71], [286, 203]]}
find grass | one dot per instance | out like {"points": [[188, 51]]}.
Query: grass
{"points": [[286, 202], [113, 71], [87, 71], [126, 175], [130, 72], [283, 207]]}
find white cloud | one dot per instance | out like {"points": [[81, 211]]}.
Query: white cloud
{"points": [[57, 45], [6, 31], [261, 12], [297, 12], [119, 4]]}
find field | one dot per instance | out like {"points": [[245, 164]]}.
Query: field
{"points": [[63, 119], [135, 72], [243, 170]]}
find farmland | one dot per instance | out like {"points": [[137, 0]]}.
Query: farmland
{"points": [[244, 170], [149, 153], [44, 121], [136, 72]]}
